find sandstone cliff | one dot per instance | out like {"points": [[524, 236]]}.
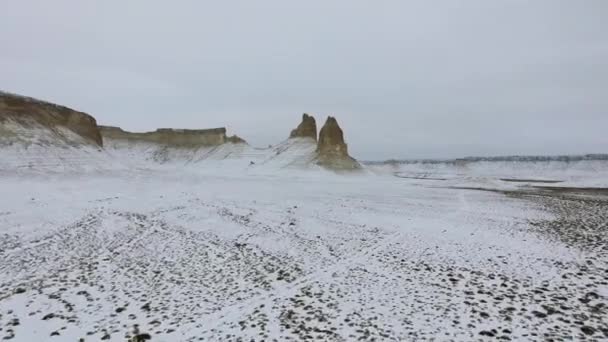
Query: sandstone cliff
{"points": [[332, 150], [306, 129], [181, 138], [22, 118]]}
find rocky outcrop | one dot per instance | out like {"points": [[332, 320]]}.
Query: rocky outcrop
{"points": [[182, 138], [332, 150], [20, 115], [331, 139], [306, 129], [235, 139]]}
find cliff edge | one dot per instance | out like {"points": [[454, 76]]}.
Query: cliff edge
{"points": [[30, 121], [169, 137]]}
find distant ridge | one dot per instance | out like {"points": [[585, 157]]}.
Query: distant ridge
{"points": [[522, 158], [170, 137], [35, 133]]}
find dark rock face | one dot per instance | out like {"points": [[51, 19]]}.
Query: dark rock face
{"points": [[306, 129], [332, 150], [29, 112]]}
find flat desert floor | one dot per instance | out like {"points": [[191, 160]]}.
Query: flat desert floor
{"points": [[186, 257]]}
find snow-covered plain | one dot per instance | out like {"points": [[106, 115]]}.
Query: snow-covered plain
{"points": [[207, 253]]}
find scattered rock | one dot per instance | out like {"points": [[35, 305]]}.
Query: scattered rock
{"points": [[48, 316]]}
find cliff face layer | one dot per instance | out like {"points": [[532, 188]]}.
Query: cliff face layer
{"points": [[306, 129], [332, 150], [183, 138], [20, 116]]}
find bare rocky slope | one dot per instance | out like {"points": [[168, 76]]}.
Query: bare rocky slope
{"points": [[55, 124]]}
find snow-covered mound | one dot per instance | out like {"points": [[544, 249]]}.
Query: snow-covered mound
{"points": [[229, 157], [44, 159]]}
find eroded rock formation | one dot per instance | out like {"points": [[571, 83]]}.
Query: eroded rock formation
{"points": [[235, 139], [184, 138], [29, 113], [331, 139], [26, 121], [306, 129], [332, 150]]}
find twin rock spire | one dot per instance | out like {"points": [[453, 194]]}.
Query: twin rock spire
{"points": [[332, 151]]}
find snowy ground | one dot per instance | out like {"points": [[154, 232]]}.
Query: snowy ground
{"points": [[188, 256]]}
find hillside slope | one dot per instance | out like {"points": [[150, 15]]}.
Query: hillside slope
{"points": [[27, 121], [41, 136]]}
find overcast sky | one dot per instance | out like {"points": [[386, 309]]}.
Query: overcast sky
{"points": [[405, 79]]}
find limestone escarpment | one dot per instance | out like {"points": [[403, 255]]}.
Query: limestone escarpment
{"points": [[181, 138], [332, 150], [306, 129], [21, 116]]}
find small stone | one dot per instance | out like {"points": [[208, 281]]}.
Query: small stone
{"points": [[587, 330], [141, 337], [487, 333]]}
